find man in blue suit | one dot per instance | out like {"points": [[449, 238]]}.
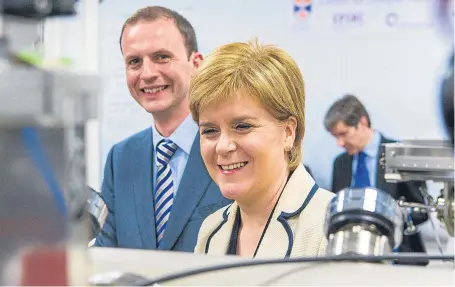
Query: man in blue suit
{"points": [[156, 187]]}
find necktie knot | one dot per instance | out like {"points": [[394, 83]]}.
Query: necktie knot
{"points": [[362, 157], [164, 151]]}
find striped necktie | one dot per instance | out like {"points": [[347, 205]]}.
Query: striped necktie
{"points": [[164, 190]]}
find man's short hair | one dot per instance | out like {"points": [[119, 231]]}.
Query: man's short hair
{"points": [[153, 13], [348, 110]]}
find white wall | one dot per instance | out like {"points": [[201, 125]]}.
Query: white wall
{"points": [[394, 70]]}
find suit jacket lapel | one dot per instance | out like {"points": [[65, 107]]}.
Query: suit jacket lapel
{"points": [[195, 181], [346, 171], [142, 162]]}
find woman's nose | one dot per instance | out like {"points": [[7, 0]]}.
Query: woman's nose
{"points": [[225, 144]]}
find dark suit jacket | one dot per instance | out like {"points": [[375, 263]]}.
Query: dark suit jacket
{"points": [[342, 175], [127, 191]]}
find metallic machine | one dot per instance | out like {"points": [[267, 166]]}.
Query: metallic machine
{"points": [[424, 160], [370, 222], [363, 221]]}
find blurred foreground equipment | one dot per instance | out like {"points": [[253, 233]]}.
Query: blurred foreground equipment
{"points": [[39, 8], [43, 223]]}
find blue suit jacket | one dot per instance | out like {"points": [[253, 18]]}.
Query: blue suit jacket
{"points": [[128, 193]]}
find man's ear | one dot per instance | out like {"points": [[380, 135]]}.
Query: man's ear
{"points": [[196, 59], [364, 121]]}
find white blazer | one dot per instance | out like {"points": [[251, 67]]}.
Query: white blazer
{"points": [[296, 228]]}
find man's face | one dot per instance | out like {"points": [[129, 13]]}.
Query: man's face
{"points": [[158, 69], [351, 138]]}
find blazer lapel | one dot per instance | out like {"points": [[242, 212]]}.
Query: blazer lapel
{"points": [[142, 162], [220, 238], [295, 197], [195, 181]]}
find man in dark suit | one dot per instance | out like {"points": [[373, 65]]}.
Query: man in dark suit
{"points": [[156, 187], [348, 121]]}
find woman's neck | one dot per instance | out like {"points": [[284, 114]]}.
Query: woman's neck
{"points": [[256, 212]]}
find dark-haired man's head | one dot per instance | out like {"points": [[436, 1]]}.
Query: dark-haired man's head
{"points": [[348, 121]]}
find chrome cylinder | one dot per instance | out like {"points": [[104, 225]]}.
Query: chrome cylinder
{"points": [[361, 239], [364, 221]]}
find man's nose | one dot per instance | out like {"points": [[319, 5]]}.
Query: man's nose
{"points": [[340, 142], [149, 70], [225, 144]]}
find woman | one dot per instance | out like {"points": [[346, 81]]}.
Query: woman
{"points": [[249, 103]]}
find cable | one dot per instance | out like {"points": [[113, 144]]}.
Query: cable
{"points": [[339, 258], [33, 146]]}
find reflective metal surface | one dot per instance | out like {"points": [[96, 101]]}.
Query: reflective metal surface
{"points": [[369, 209], [446, 212], [418, 160], [98, 209], [358, 239], [424, 160]]}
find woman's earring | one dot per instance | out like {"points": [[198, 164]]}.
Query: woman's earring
{"points": [[288, 148]]}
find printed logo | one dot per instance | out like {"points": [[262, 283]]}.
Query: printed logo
{"points": [[347, 18], [303, 8], [393, 20]]}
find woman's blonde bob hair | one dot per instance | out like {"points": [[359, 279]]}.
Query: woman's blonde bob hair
{"points": [[262, 71]]}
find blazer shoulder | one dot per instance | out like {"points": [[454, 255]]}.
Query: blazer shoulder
{"points": [[311, 226], [135, 139], [324, 196], [318, 205]]}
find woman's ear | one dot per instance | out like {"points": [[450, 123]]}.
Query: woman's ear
{"points": [[290, 130]]}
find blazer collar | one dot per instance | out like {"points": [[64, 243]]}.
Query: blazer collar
{"points": [[298, 192]]}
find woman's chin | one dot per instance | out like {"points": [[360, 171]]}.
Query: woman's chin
{"points": [[231, 192]]}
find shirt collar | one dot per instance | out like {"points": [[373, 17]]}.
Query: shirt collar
{"points": [[183, 136], [372, 148]]}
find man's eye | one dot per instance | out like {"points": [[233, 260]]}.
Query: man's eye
{"points": [[208, 131], [162, 57], [133, 61]]}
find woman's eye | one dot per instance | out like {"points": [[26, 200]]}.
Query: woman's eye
{"points": [[243, 126]]}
